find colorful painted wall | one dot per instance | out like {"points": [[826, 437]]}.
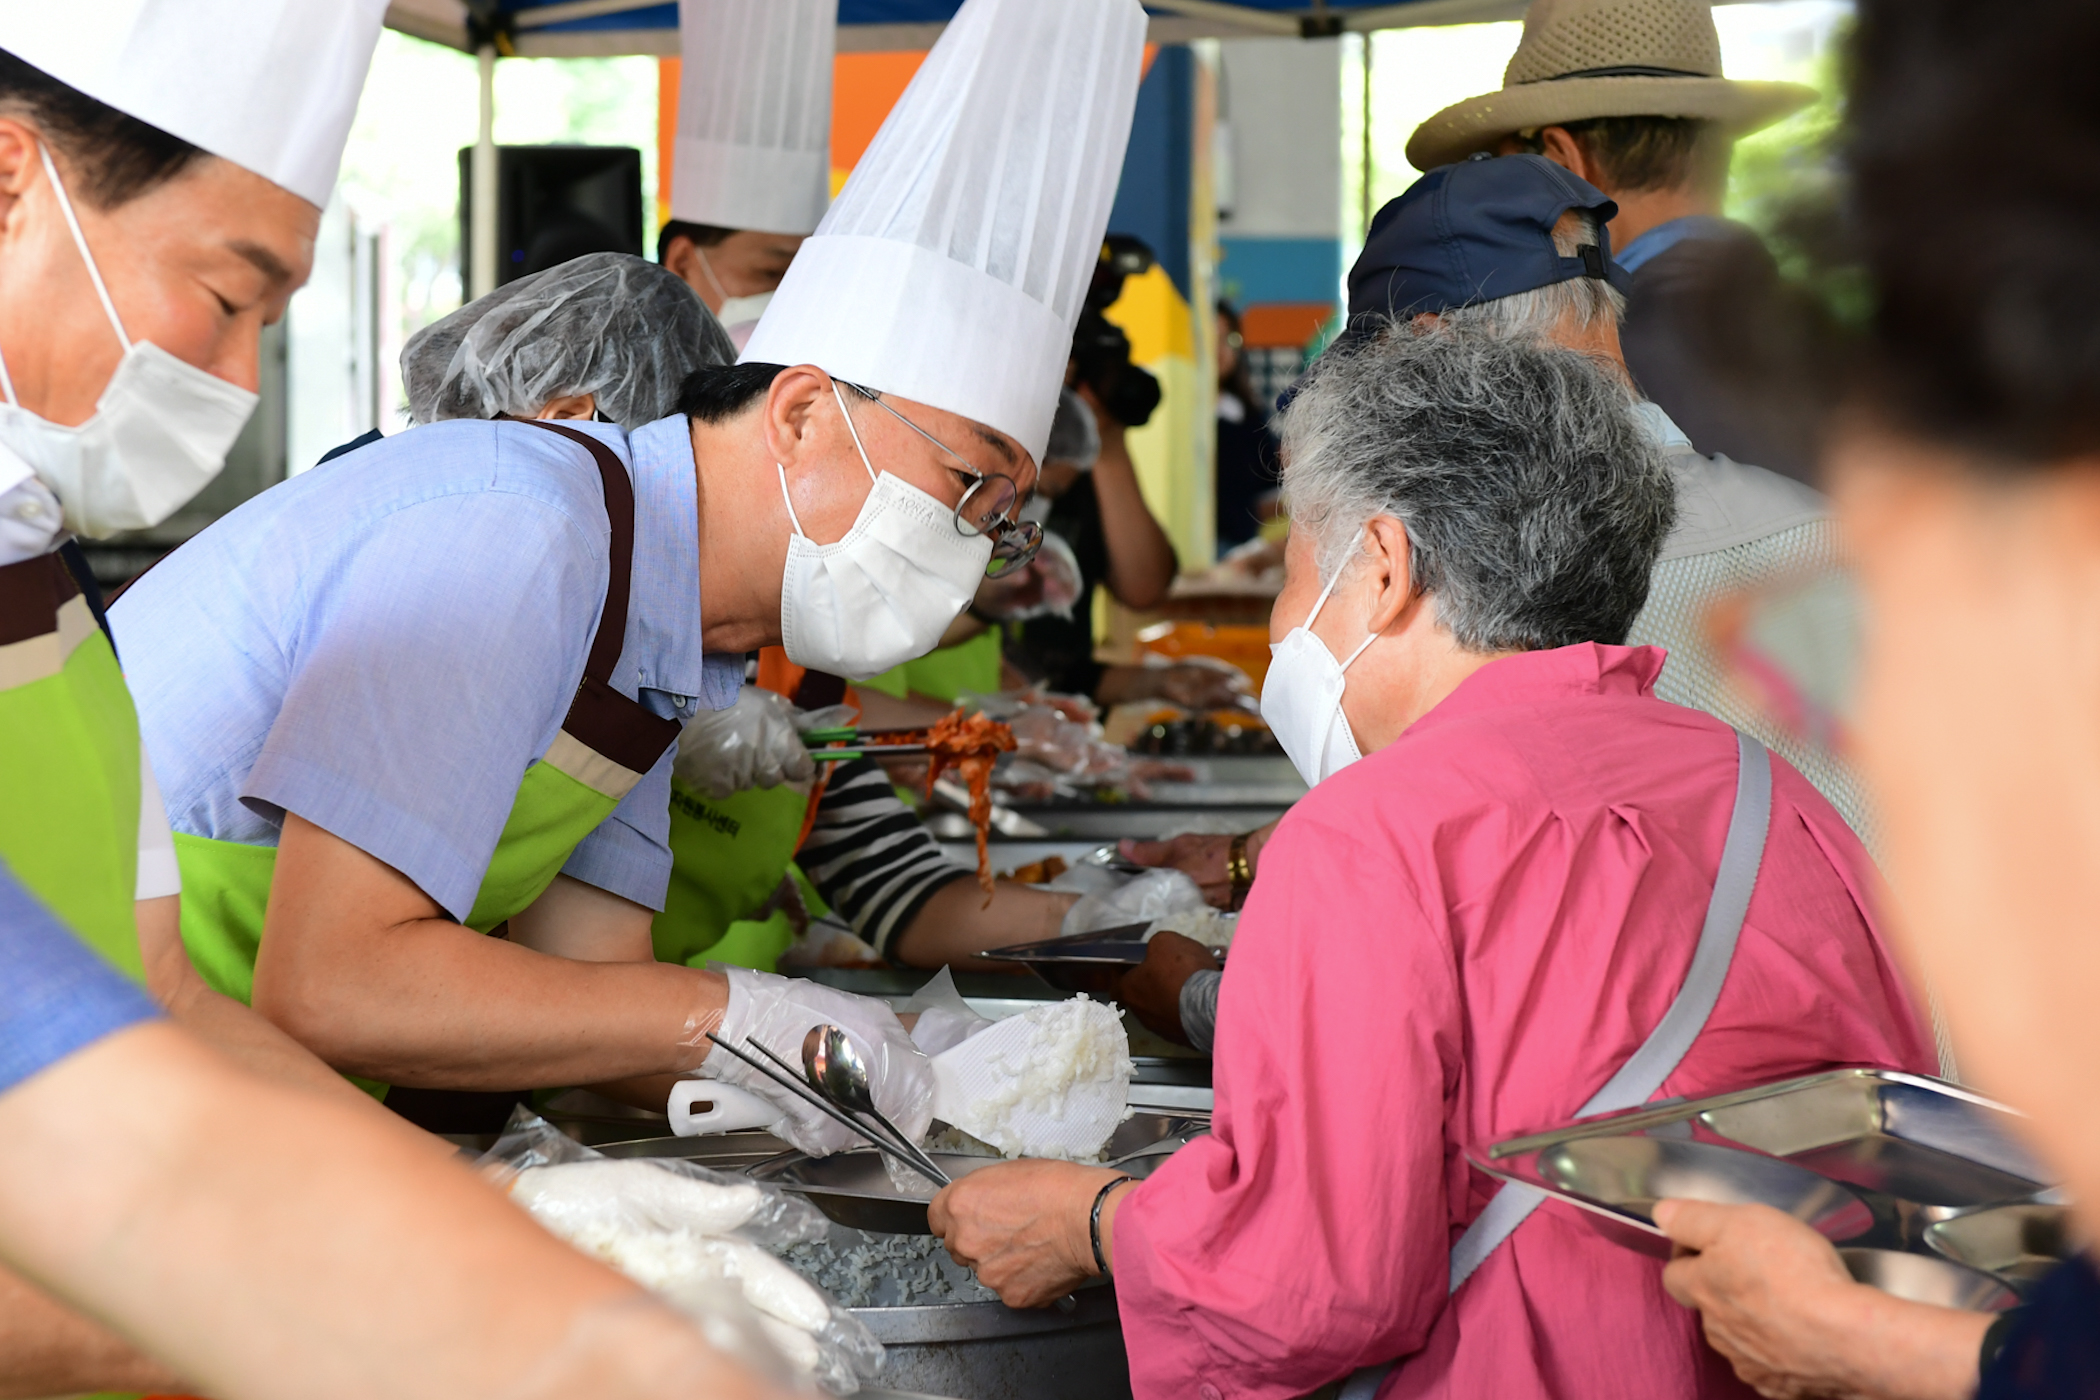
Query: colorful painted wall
{"points": [[1280, 186]]}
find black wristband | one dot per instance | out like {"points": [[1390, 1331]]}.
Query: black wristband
{"points": [[1093, 1222], [1994, 1337]]}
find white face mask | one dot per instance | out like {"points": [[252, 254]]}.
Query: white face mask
{"points": [[1301, 699], [737, 311], [159, 434], [885, 593]]}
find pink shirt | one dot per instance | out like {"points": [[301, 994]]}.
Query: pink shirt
{"points": [[1455, 940]]}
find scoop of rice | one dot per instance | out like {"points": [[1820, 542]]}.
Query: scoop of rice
{"points": [[1057, 1089]]}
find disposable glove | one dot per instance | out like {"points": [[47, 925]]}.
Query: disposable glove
{"points": [[752, 744], [777, 1012]]}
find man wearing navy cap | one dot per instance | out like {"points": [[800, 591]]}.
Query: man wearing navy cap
{"points": [[1516, 245]]}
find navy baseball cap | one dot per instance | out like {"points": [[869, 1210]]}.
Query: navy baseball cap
{"points": [[1467, 233], [1473, 232]]}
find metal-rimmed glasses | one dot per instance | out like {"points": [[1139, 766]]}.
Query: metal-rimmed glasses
{"points": [[987, 502]]}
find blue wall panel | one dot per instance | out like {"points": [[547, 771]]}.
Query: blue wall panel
{"points": [[1152, 198], [1253, 270]]}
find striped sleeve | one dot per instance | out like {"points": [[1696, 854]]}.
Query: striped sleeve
{"points": [[869, 856]]}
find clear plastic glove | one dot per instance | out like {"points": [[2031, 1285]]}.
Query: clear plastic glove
{"points": [[752, 744], [778, 1011]]}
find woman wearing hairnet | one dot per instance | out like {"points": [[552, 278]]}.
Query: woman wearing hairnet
{"points": [[605, 336], [589, 339]]}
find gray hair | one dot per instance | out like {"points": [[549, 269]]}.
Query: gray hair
{"points": [[1543, 310], [1534, 501], [606, 324]]}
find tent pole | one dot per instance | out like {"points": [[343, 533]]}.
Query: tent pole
{"points": [[1368, 202], [481, 263]]}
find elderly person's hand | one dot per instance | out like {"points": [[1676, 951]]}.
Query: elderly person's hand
{"points": [[1024, 1227], [1204, 859], [1776, 1301], [1152, 989]]}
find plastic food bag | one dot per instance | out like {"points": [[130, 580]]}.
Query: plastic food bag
{"points": [[1159, 899], [693, 1236]]}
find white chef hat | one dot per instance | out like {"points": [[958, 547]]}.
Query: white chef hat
{"points": [[754, 113], [270, 85], [952, 267]]}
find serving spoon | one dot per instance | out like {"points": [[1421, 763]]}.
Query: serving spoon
{"points": [[837, 1071]]}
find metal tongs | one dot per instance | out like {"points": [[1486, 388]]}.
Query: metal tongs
{"points": [[898, 1148], [857, 744]]}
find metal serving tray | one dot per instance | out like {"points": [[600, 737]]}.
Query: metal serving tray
{"points": [[1876, 1160], [855, 1188], [1081, 962]]}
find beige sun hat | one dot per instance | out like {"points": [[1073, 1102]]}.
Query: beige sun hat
{"points": [[1606, 58]]}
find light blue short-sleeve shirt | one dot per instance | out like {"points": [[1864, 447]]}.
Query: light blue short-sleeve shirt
{"points": [[56, 996], [386, 643]]}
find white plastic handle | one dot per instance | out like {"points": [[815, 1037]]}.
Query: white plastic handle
{"points": [[728, 1109]]}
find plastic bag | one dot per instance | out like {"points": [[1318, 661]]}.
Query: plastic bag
{"points": [[694, 1236], [1159, 899]]}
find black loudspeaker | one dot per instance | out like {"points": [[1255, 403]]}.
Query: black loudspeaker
{"points": [[554, 203]]}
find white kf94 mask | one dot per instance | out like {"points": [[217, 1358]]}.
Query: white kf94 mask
{"points": [[1301, 698], [159, 433], [885, 593]]}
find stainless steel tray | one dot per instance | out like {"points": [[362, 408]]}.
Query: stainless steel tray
{"points": [[1080, 962], [855, 1188], [2018, 1242], [1877, 1160]]}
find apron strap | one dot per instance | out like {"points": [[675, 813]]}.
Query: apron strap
{"points": [[601, 718], [1742, 856], [619, 508]]}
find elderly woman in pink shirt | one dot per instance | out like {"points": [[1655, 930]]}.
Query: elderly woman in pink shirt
{"points": [[1470, 924]]}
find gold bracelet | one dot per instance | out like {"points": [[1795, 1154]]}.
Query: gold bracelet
{"points": [[1237, 868]]}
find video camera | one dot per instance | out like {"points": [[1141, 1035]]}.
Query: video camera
{"points": [[1100, 350]]}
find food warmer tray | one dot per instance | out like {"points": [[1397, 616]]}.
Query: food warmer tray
{"points": [[856, 1188], [1921, 1183]]}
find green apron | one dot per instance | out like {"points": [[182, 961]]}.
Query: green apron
{"points": [[947, 673], [728, 856], [69, 820], [606, 744], [69, 781]]}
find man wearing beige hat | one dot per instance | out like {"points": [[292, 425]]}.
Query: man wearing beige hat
{"points": [[1629, 95]]}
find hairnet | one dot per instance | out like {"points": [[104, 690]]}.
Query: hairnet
{"points": [[605, 324], [1074, 436]]}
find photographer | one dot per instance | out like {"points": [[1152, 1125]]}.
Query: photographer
{"points": [[1098, 510]]}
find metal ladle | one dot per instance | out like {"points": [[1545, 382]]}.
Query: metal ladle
{"points": [[836, 1071]]}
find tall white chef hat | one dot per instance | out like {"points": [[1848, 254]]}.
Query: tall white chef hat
{"points": [[754, 113], [270, 85], [952, 267]]}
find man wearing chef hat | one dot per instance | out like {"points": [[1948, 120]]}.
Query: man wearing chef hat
{"points": [[150, 224], [367, 679], [752, 163]]}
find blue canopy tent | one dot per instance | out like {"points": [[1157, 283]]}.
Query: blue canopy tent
{"points": [[590, 28]]}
